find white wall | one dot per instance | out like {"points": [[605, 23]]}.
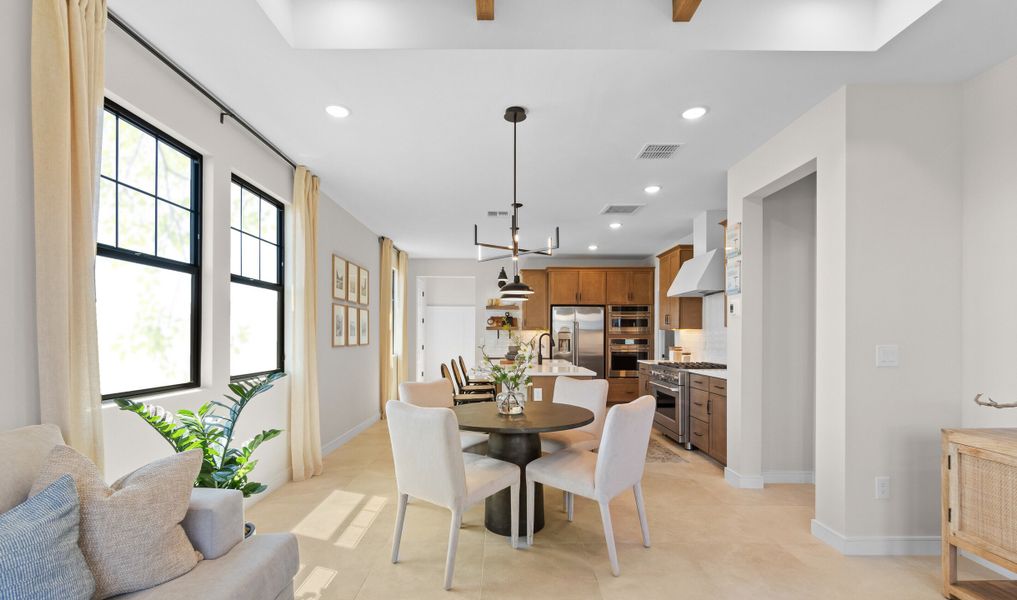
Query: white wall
{"points": [[17, 304], [990, 219], [348, 377], [789, 333], [888, 185]]}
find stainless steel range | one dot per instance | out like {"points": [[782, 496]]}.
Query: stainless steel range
{"points": [[670, 383]]}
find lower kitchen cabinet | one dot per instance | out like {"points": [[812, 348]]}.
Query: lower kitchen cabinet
{"points": [[644, 381], [708, 408], [622, 389]]}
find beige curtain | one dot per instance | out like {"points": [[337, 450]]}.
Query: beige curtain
{"points": [[68, 39], [388, 375], [305, 431], [404, 318]]}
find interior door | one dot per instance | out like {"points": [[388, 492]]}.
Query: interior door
{"points": [[450, 332]]}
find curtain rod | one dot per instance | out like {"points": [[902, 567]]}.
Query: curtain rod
{"points": [[225, 110]]}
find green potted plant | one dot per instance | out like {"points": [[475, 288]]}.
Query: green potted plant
{"points": [[210, 429]]}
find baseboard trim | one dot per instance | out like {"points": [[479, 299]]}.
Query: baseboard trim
{"points": [[335, 444], [744, 482], [274, 481], [913, 545], [789, 477]]}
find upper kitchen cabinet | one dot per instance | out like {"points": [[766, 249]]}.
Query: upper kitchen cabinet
{"points": [[677, 313], [629, 286], [563, 287], [536, 310], [576, 286]]}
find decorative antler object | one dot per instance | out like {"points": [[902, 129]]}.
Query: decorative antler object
{"points": [[990, 402]]}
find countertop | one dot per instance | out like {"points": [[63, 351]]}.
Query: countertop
{"points": [[559, 368]]}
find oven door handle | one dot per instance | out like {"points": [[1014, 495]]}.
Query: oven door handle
{"points": [[665, 388]]}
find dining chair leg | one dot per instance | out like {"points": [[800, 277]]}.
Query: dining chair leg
{"points": [[637, 491], [514, 506], [570, 504], [612, 554], [530, 487], [453, 543], [400, 517]]}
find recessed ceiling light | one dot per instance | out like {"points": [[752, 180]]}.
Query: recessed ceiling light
{"points": [[593, 246], [652, 189], [696, 112], [615, 225], [339, 112]]}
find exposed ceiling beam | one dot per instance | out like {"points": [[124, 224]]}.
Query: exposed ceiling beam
{"points": [[485, 10], [682, 10]]}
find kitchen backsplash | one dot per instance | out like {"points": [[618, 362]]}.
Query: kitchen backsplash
{"points": [[706, 344]]}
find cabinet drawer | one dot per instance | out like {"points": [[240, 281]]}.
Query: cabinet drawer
{"points": [[700, 435], [622, 389], [699, 405], [644, 369], [700, 382], [718, 386]]}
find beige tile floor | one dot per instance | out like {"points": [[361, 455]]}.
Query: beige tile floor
{"points": [[709, 541]]}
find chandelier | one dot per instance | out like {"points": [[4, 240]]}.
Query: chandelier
{"points": [[514, 290]]}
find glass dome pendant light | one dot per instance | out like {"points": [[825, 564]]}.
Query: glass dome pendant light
{"points": [[516, 290]]}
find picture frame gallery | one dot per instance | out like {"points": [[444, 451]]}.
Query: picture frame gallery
{"points": [[350, 287]]}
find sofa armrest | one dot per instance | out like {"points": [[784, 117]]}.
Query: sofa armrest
{"points": [[214, 521]]}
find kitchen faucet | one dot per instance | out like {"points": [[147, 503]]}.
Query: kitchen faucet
{"points": [[540, 347]]}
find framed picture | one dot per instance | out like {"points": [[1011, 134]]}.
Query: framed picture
{"points": [[351, 325], [733, 244], [338, 278], [365, 326], [352, 281], [338, 325], [734, 277], [365, 288]]}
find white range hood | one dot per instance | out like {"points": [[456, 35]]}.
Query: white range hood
{"points": [[699, 276]]}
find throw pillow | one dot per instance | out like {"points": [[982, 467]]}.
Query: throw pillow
{"points": [[130, 532], [24, 450], [39, 554]]}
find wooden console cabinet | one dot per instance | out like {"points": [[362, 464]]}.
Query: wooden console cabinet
{"points": [[979, 505]]}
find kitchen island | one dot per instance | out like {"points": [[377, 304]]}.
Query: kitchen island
{"points": [[543, 377]]}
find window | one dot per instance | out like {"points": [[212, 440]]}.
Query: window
{"points": [[256, 282], [148, 259]]}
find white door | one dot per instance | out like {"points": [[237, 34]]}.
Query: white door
{"points": [[450, 331]]}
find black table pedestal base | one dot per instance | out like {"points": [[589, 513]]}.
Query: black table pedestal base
{"points": [[519, 449]]}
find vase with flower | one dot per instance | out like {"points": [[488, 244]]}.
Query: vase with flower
{"points": [[512, 377]]}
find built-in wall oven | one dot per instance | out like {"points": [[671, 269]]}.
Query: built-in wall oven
{"points": [[624, 354], [629, 320]]}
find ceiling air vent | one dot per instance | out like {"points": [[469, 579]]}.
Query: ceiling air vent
{"points": [[497, 214], [657, 151], [621, 209]]}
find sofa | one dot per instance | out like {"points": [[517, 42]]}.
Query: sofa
{"points": [[261, 567]]}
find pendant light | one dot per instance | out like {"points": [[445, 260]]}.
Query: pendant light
{"points": [[516, 290]]}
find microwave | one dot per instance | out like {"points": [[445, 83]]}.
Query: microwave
{"points": [[629, 320]]}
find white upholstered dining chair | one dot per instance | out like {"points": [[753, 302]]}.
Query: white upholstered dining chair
{"points": [[438, 394], [616, 467], [429, 465], [590, 394]]}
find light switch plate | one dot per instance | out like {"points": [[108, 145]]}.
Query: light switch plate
{"points": [[882, 488], [887, 355]]}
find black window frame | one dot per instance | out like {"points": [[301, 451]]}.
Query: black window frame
{"points": [[278, 287], [192, 268]]}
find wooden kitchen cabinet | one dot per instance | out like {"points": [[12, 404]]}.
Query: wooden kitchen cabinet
{"points": [[592, 286], [708, 409], [644, 380], [622, 389], [576, 286], [629, 286], [677, 313], [563, 287], [536, 311]]}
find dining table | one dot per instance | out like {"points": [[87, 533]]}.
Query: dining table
{"points": [[516, 439]]}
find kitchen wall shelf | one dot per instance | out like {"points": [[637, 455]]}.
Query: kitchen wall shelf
{"points": [[504, 307]]}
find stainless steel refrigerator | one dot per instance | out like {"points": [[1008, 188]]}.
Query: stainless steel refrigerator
{"points": [[579, 336]]}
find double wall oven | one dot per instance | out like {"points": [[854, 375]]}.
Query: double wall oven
{"points": [[629, 331]]}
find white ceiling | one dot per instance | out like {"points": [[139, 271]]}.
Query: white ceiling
{"points": [[426, 152]]}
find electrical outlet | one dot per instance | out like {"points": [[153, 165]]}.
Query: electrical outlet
{"points": [[538, 394], [887, 355], [882, 488]]}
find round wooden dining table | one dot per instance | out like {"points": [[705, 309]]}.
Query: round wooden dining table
{"points": [[516, 439]]}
